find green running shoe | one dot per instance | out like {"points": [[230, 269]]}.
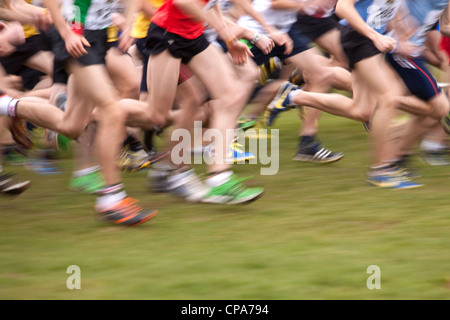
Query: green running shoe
{"points": [[233, 192]]}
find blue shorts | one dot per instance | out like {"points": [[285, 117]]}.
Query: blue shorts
{"points": [[301, 43], [415, 75]]}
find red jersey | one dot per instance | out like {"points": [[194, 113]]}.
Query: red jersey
{"points": [[172, 19]]}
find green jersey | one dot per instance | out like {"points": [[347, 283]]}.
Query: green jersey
{"points": [[90, 14]]}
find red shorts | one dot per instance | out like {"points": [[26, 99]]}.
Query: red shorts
{"points": [[445, 45], [185, 74]]}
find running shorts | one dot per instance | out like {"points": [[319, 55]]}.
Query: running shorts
{"points": [[301, 43], [356, 46], [415, 75], [160, 39], [314, 28]]}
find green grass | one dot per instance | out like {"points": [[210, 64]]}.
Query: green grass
{"points": [[311, 236]]}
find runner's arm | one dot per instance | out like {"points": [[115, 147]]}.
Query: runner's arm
{"points": [[345, 9]]}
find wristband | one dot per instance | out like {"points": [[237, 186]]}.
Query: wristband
{"points": [[230, 40]]}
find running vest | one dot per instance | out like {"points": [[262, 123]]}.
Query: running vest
{"points": [[172, 19], [30, 30], [280, 19], [140, 26], [325, 11], [377, 13], [426, 14], [89, 14]]}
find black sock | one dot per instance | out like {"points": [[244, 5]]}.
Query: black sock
{"points": [[306, 141]]}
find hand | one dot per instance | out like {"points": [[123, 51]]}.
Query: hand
{"points": [[238, 51], [265, 44], [282, 39], [384, 43], [125, 41], [42, 20], [75, 45]]}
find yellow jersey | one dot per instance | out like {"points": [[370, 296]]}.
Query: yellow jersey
{"points": [[142, 22], [28, 29]]}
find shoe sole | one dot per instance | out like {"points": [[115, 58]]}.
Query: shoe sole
{"points": [[150, 216], [396, 186], [311, 159], [141, 221], [247, 200], [16, 189]]}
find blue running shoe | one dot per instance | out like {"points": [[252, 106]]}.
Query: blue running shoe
{"points": [[237, 155], [393, 179], [280, 103]]}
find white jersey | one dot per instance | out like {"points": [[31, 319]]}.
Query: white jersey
{"points": [[280, 19], [91, 14]]}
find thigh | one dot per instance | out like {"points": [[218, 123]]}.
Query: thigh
{"points": [[162, 79], [210, 65], [41, 61], [94, 83], [122, 70]]}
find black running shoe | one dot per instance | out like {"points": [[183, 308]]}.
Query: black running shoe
{"points": [[10, 187], [316, 153]]}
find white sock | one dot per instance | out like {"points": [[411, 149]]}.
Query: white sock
{"points": [[292, 95], [428, 145], [83, 172], [8, 106], [110, 196], [219, 179]]}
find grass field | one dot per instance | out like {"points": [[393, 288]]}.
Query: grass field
{"points": [[312, 235]]}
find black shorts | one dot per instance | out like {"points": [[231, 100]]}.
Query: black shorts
{"points": [[301, 43], [356, 46], [140, 45], [98, 39], [160, 39], [13, 63], [314, 28]]}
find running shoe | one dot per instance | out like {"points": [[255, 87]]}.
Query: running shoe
{"points": [[436, 157], [233, 192], [20, 133], [237, 155], [127, 213], [43, 166], [245, 123], [89, 183], [446, 123], [269, 70], [297, 78], [392, 179], [11, 188], [280, 103], [157, 180], [187, 185], [316, 153], [132, 161]]}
